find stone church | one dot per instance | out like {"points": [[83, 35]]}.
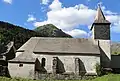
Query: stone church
{"points": [[64, 56]]}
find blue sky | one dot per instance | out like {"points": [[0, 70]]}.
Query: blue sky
{"points": [[72, 16]]}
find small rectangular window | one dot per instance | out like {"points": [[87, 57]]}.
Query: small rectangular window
{"points": [[20, 65]]}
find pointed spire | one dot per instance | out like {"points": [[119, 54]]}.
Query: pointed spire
{"points": [[100, 18], [99, 15]]}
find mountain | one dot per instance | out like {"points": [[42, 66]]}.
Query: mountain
{"points": [[10, 32], [115, 48], [50, 30]]}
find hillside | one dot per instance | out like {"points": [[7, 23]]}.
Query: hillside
{"points": [[10, 32], [115, 47], [50, 30]]}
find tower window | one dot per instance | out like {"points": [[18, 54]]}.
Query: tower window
{"points": [[43, 62]]}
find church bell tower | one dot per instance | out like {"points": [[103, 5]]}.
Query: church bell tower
{"points": [[100, 27], [101, 36]]}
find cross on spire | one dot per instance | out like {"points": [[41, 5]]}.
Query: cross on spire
{"points": [[99, 15], [99, 4]]}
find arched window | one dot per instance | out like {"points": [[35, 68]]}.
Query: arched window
{"points": [[43, 62]]}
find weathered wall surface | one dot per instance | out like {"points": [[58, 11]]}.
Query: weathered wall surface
{"points": [[105, 52], [101, 32], [27, 71], [87, 63]]}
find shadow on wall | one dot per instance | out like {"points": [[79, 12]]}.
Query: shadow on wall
{"points": [[104, 60], [39, 66], [82, 70], [60, 66]]}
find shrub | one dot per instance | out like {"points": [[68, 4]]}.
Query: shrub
{"points": [[102, 71], [98, 69]]}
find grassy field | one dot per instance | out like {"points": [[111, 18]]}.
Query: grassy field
{"points": [[110, 77]]}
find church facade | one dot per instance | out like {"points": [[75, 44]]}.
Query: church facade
{"points": [[64, 56]]}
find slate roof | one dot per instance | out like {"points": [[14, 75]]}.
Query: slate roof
{"points": [[26, 52], [66, 45], [29, 45], [54, 46], [60, 45], [25, 57]]}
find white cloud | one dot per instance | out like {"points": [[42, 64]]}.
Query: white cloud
{"points": [[77, 33], [116, 28], [113, 18], [31, 18], [115, 22], [8, 1], [68, 18], [56, 5], [45, 2]]}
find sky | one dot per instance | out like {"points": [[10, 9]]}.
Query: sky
{"points": [[74, 17]]}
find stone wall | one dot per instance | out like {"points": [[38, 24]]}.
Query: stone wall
{"points": [[67, 63], [19, 70], [100, 31], [65, 67], [63, 77]]}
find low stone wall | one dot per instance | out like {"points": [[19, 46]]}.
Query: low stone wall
{"points": [[63, 77]]}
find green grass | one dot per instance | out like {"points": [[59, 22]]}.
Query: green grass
{"points": [[110, 77]]}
